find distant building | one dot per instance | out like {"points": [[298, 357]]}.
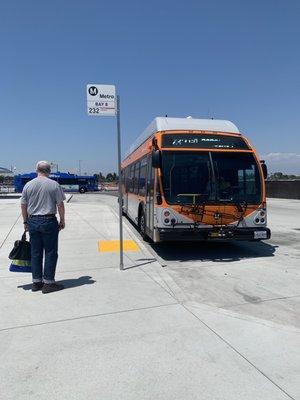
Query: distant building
{"points": [[6, 172]]}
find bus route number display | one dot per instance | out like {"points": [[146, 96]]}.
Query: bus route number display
{"points": [[101, 100], [203, 141]]}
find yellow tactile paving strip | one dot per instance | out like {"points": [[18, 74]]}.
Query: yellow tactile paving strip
{"points": [[114, 245]]}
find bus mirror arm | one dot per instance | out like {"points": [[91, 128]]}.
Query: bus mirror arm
{"points": [[156, 159], [158, 199], [264, 168]]}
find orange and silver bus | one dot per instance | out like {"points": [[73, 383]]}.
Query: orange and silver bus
{"points": [[195, 179]]}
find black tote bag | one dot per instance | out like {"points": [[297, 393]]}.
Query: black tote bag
{"points": [[21, 250]]}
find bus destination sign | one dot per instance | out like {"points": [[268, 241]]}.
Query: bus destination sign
{"points": [[101, 100], [203, 141]]}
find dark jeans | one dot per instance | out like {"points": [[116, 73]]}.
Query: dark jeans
{"points": [[43, 238]]}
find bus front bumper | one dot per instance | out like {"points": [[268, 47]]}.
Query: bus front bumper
{"points": [[219, 234]]}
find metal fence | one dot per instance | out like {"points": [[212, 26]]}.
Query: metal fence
{"points": [[283, 189], [6, 189]]}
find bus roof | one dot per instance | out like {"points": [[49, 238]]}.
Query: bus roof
{"points": [[189, 124]]}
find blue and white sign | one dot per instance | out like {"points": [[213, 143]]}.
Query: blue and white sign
{"points": [[101, 100]]}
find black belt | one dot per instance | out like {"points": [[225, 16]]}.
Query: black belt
{"points": [[43, 216]]}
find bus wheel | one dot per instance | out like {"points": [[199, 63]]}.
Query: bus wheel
{"points": [[82, 190], [142, 225]]}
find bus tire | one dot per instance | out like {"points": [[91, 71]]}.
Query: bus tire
{"points": [[82, 190], [142, 225]]}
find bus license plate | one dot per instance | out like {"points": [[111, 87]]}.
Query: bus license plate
{"points": [[260, 235], [214, 234]]}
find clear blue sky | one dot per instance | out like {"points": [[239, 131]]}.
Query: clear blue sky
{"points": [[236, 60]]}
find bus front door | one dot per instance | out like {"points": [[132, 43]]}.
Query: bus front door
{"points": [[150, 198]]}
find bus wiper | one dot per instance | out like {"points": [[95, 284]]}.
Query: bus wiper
{"points": [[242, 208], [195, 208], [241, 205]]}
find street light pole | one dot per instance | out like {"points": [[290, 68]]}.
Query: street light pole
{"points": [[79, 169], [56, 165]]}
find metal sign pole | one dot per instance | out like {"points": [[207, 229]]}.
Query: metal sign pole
{"points": [[101, 102], [120, 184]]}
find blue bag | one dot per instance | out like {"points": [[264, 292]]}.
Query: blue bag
{"points": [[20, 266]]}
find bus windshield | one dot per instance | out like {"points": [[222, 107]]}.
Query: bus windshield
{"points": [[210, 177]]}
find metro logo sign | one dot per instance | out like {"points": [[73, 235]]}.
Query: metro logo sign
{"points": [[101, 100], [93, 91]]}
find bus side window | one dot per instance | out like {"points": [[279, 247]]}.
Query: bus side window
{"points": [[143, 176], [126, 178], [136, 177], [149, 166], [122, 180], [131, 179], [129, 183]]}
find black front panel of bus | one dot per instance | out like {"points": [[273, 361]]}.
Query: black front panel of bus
{"points": [[203, 141]]}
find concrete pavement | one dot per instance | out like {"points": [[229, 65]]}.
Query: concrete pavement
{"points": [[178, 332]]}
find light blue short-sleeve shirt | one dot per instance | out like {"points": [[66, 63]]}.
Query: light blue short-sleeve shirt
{"points": [[42, 195]]}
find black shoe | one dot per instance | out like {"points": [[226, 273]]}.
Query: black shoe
{"points": [[51, 287], [37, 286]]}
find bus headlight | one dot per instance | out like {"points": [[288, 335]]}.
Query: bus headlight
{"points": [[166, 213], [260, 218], [168, 217]]}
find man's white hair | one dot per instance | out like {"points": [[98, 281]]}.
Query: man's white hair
{"points": [[43, 167]]}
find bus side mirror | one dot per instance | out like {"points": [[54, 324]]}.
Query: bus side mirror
{"points": [[158, 199], [156, 158], [264, 168]]}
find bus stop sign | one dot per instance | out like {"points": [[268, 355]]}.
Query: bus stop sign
{"points": [[101, 100]]}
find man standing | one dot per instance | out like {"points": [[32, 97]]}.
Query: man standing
{"points": [[41, 198]]}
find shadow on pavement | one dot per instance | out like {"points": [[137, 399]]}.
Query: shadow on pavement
{"points": [[68, 283], [82, 280], [209, 251], [146, 261], [212, 251]]}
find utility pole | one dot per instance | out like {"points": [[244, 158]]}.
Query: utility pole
{"points": [[56, 165]]}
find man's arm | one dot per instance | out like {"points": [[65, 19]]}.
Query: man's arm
{"points": [[61, 212], [24, 215], [24, 201]]}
